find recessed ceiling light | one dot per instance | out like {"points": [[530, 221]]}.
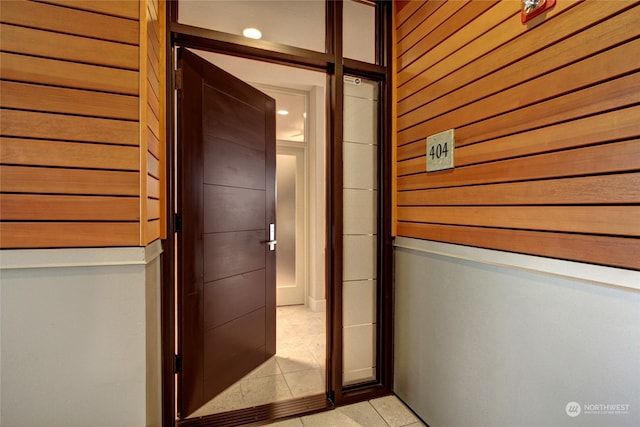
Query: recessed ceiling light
{"points": [[252, 33], [283, 112]]}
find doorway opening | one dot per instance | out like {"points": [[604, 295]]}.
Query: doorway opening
{"points": [[340, 61], [298, 368]]}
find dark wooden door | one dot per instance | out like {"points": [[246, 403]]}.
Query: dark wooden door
{"points": [[226, 199]]}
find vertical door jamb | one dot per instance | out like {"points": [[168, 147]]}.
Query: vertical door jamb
{"points": [[334, 202], [167, 293]]}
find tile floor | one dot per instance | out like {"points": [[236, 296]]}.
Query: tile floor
{"points": [[297, 369], [386, 411]]}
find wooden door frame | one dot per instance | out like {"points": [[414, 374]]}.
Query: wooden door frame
{"points": [[335, 67]]}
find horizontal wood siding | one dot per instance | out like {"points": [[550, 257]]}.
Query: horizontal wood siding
{"points": [[70, 128], [152, 83], [547, 127]]}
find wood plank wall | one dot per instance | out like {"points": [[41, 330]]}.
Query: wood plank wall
{"points": [[152, 135], [547, 122], [70, 148]]}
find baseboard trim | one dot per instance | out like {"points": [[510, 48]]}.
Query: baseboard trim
{"points": [[13, 259], [588, 273], [316, 304]]}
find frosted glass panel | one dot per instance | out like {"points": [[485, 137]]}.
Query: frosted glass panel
{"points": [[359, 261], [294, 23], [360, 297], [359, 30], [359, 346], [359, 214], [360, 115], [360, 225], [286, 220], [360, 111], [360, 166]]}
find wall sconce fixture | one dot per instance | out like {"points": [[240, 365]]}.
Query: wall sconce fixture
{"points": [[532, 8]]}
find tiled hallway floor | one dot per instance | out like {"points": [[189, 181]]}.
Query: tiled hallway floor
{"points": [[386, 411], [296, 370]]}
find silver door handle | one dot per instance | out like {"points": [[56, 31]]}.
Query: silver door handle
{"points": [[272, 238]]}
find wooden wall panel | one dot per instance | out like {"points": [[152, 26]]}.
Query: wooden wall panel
{"points": [[587, 190], [52, 99], [69, 21], [621, 220], [546, 115], [592, 70], [35, 180], [611, 94], [29, 152], [427, 33], [30, 124], [602, 159], [457, 11], [47, 44], [412, 94], [153, 99], [68, 74], [69, 208], [462, 36], [588, 248], [70, 138], [51, 234], [122, 8], [418, 11]]}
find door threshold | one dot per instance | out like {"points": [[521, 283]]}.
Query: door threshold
{"points": [[257, 415]]}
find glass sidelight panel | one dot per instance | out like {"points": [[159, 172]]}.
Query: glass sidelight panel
{"points": [[360, 225]]}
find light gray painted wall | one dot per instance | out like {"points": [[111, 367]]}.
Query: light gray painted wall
{"points": [[478, 344], [78, 346], [153, 332]]}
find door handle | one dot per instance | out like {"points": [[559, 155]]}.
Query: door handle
{"points": [[272, 238]]}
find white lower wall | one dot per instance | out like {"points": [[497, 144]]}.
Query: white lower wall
{"points": [[74, 336], [487, 338]]}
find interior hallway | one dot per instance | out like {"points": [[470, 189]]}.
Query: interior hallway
{"points": [[297, 369]]}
